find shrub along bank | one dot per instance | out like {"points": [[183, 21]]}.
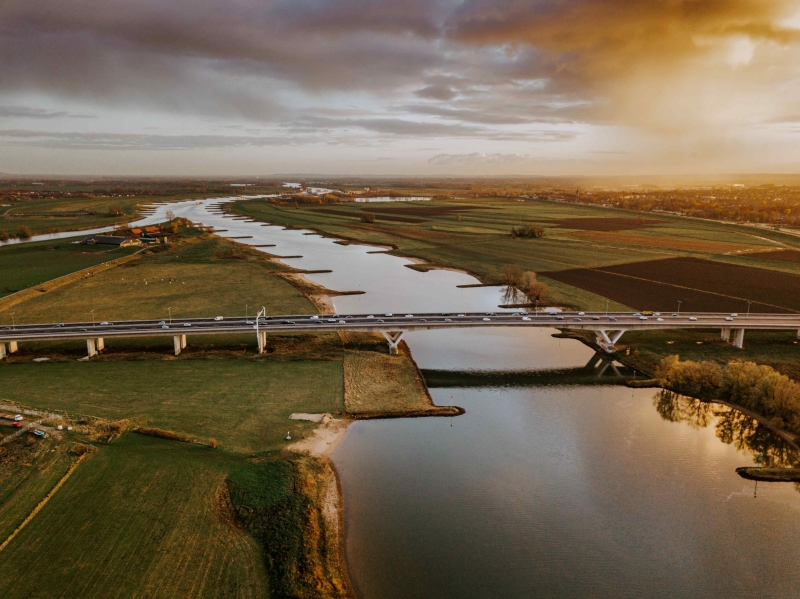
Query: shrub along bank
{"points": [[756, 387]]}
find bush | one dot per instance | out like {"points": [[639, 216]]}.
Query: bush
{"points": [[368, 217], [3, 235], [528, 231], [24, 232], [690, 378], [535, 290]]}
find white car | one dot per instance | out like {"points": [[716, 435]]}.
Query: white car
{"points": [[729, 319], [462, 315], [487, 318], [315, 318], [342, 322], [692, 318], [388, 314], [104, 324], [218, 318], [734, 315], [643, 318], [370, 316], [525, 318], [187, 324], [409, 316], [164, 326], [660, 319], [581, 314], [18, 417]]}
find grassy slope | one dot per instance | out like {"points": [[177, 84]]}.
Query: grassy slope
{"points": [[201, 277], [142, 517], [28, 264]]}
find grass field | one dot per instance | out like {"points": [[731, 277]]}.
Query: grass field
{"points": [[245, 405], [199, 277], [141, 517], [28, 264]]}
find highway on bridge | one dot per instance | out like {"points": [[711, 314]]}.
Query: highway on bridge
{"points": [[609, 327]]}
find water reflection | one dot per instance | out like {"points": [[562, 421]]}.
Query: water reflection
{"points": [[599, 370], [731, 427]]}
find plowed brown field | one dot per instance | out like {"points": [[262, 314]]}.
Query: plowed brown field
{"points": [[779, 256], [701, 285], [667, 242]]}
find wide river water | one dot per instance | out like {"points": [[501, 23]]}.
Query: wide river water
{"points": [[565, 490]]}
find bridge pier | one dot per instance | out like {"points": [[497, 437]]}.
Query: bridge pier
{"points": [[91, 348], [738, 338], [12, 347], [2, 351], [393, 338], [607, 341], [101, 345], [179, 343], [262, 341], [725, 334]]}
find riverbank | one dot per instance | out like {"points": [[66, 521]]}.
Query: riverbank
{"points": [[631, 360]]}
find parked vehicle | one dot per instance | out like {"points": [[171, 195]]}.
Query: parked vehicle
{"points": [[218, 318]]}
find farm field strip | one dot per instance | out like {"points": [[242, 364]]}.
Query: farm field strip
{"points": [[694, 281]]}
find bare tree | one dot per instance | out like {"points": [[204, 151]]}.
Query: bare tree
{"points": [[512, 274], [170, 215]]}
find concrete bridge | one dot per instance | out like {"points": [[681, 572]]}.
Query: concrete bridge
{"points": [[608, 327]]}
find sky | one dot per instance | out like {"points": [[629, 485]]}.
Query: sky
{"points": [[399, 87]]}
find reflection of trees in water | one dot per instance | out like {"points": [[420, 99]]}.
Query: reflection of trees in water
{"points": [[732, 427], [512, 295]]}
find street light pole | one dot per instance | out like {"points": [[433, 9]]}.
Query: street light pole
{"points": [[92, 317], [13, 322], [170, 314], [606, 307], [748, 308], [679, 307]]}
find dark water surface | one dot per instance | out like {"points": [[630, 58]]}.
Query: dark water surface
{"points": [[569, 491]]}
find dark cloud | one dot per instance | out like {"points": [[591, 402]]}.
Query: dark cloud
{"points": [[121, 141], [436, 92], [30, 112]]}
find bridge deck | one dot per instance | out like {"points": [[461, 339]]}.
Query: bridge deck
{"points": [[396, 322]]}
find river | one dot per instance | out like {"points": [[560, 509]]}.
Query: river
{"points": [[560, 490]]}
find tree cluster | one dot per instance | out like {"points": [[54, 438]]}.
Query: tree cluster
{"points": [[753, 386]]}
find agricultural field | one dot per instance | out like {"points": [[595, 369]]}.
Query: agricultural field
{"points": [[700, 285], [140, 517], [67, 214], [28, 264]]}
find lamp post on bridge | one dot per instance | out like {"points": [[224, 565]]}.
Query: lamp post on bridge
{"points": [[13, 322], [169, 311], [679, 307], [748, 308]]}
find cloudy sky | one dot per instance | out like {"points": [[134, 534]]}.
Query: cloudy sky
{"points": [[411, 87]]}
